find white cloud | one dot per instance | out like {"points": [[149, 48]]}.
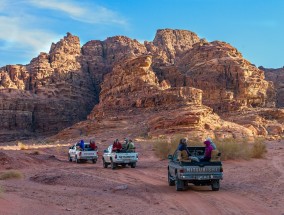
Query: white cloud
{"points": [[27, 27], [18, 38], [92, 14]]}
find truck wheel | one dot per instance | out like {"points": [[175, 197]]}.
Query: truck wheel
{"points": [[179, 184], [69, 158], [133, 165], [105, 163], [170, 181], [112, 164], [94, 160], [77, 160], [215, 185]]}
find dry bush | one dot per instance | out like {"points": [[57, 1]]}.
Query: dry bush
{"points": [[1, 190], [233, 149], [10, 175], [240, 149], [258, 149], [22, 146], [164, 147]]}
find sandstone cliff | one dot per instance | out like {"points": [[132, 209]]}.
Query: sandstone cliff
{"points": [[178, 82], [277, 77], [50, 93]]}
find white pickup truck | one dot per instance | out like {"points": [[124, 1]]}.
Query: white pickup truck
{"points": [[76, 154], [119, 158]]}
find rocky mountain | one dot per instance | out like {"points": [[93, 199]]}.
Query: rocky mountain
{"points": [[48, 94], [277, 77], [178, 83]]}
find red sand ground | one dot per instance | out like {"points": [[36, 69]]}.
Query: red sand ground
{"points": [[52, 185]]}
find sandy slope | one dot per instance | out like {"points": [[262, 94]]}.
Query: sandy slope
{"points": [[52, 185]]}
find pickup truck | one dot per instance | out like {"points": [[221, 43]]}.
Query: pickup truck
{"points": [[122, 158], [76, 154], [205, 173]]}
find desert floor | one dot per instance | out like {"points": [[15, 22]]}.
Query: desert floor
{"points": [[52, 185]]}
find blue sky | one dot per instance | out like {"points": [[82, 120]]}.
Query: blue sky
{"points": [[254, 27]]}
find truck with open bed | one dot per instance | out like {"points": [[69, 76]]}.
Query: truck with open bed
{"points": [[205, 173], [122, 158]]}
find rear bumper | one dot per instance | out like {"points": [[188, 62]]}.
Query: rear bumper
{"points": [[201, 177], [88, 158], [125, 161]]}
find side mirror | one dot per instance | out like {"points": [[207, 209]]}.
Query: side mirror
{"points": [[105, 151], [170, 157]]}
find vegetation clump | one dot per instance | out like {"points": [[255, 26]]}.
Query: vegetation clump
{"points": [[230, 148], [12, 174], [22, 146]]}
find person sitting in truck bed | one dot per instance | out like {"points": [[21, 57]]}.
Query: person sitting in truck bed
{"points": [[208, 151], [183, 154], [131, 147], [93, 145], [116, 147], [125, 145], [81, 145], [215, 154]]}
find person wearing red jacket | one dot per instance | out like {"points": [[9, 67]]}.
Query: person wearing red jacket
{"points": [[93, 145], [116, 147]]}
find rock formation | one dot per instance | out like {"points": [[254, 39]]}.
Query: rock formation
{"points": [[50, 93], [277, 77], [178, 81]]}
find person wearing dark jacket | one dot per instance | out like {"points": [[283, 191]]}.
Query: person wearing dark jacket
{"points": [[116, 147], [82, 145]]}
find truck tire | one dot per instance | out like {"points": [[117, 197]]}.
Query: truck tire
{"points": [[133, 165], [170, 181], [113, 165], [69, 158], [215, 185], [179, 184], [105, 164], [77, 160]]}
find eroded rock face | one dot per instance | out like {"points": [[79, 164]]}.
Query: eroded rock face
{"points": [[228, 81], [177, 72], [50, 93], [277, 77], [133, 84]]}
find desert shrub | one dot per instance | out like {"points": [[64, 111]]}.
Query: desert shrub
{"points": [[10, 174], [230, 148], [258, 149], [164, 147], [1, 190], [240, 149], [22, 146]]}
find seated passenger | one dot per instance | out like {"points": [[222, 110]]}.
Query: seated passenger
{"points": [[93, 145], [125, 145], [116, 147], [131, 147], [183, 154], [82, 145], [208, 151], [215, 154]]}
